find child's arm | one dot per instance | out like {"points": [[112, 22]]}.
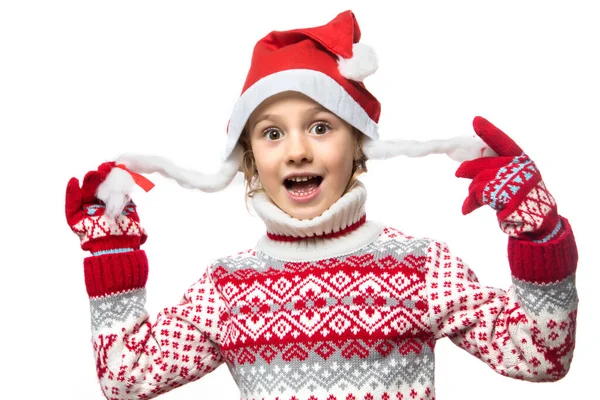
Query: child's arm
{"points": [[140, 358], [527, 332], [137, 358]]}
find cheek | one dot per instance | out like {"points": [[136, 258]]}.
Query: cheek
{"points": [[340, 162], [266, 167]]}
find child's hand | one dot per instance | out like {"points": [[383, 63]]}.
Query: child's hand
{"points": [[510, 183], [86, 216]]}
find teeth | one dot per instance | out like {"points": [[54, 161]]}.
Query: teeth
{"points": [[301, 178]]}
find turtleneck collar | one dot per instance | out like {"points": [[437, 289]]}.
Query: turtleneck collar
{"points": [[341, 228], [345, 212]]}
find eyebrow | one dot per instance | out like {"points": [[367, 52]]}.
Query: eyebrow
{"points": [[312, 110], [262, 118]]}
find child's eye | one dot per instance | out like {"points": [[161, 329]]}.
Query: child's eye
{"points": [[320, 128], [272, 134]]}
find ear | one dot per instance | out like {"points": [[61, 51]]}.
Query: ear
{"points": [[358, 141], [357, 152]]}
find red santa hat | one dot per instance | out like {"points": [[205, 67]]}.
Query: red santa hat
{"points": [[326, 63]]}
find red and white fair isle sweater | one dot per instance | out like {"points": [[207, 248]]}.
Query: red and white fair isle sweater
{"points": [[353, 315]]}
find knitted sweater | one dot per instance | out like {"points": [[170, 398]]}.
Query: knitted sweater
{"points": [[334, 308]]}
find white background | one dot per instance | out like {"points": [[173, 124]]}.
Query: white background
{"points": [[83, 81]]}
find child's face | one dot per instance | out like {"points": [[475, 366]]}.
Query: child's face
{"points": [[292, 136]]}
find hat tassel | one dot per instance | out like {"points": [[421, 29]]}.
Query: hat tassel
{"points": [[119, 184], [184, 177], [460, 148]]}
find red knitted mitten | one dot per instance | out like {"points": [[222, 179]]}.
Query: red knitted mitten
{"points": [[85, 216], [511, 184]]}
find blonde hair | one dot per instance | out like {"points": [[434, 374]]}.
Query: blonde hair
{"points": [[248, 165]]}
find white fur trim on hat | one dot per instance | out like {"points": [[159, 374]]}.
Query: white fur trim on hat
{"points": [[460, 148], [363, 63], [318, 86]]}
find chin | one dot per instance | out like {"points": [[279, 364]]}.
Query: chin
{"points": [[305, 214], [306, 211]]}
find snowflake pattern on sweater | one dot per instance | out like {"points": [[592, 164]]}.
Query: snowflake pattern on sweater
{"points": [[361, 325]]}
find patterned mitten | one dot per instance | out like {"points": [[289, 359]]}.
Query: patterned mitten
{"points": [[85, 215], [512, 185]]}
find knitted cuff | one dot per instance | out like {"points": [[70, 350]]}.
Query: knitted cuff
{"points": [[112, 242], [544, 262], [114, 273]]}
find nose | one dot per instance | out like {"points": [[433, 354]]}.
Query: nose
{"points": [[299, 148]]}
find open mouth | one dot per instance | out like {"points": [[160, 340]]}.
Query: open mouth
{"points": [[303, 186]]}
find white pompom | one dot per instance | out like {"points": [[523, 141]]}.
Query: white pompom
{"points": [[363, 63], [465, 148], [115, 191]]}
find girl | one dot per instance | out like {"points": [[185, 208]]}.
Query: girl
{"points": [[329, 305]]}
